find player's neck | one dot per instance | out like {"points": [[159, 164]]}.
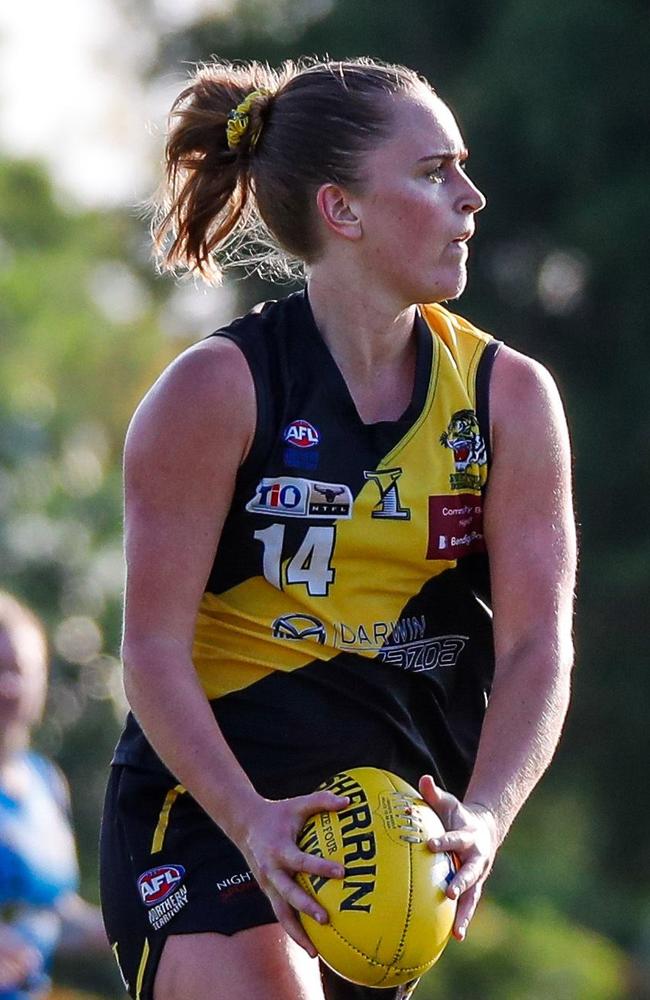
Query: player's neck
{"points": [[364, 331]]}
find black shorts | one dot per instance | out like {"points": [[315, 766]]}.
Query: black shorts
{"points": [[166, 868]]}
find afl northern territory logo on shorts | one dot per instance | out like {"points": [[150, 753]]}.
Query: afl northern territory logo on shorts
{"points": [[290, 496], [156, 884], [163, 893]]}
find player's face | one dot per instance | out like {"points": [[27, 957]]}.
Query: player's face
{"points": [[22, 679], [417, 205]]}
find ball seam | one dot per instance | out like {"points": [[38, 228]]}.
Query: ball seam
{"points": [[409, 906], [373, 961]]}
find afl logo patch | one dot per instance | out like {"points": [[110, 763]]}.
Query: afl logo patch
{"points": [[301, 434], [156, 884]]}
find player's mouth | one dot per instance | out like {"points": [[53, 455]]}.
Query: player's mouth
{"points": [[459, 244]]}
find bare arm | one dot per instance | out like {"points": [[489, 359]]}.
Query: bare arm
{"points": [[530, 536], [183, 450]]}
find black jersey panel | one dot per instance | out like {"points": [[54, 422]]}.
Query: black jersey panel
{"points": [[483, 376]]}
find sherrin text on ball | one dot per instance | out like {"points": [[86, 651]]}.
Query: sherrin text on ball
{"points": [[389, 918]]}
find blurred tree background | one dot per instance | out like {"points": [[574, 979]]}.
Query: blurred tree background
{"points": [[554, 102]]}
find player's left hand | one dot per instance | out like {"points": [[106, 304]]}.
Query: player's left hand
{"points": [[473, 838]]}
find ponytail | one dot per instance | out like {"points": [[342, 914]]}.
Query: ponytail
{"points": [[206, 193]]}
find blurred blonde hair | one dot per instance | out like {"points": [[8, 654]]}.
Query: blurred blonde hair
{"points": [[23, 626]]}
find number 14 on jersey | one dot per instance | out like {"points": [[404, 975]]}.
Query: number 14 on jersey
{"points": [[311, 566]]}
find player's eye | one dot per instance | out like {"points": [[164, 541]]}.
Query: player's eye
{"points": [[436, 176]]}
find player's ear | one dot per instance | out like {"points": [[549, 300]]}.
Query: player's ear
{"points": [[336, 211]]}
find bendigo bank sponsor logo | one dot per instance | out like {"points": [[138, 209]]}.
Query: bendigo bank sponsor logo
{"points": [[290, 496], [455, 526], [156, 884], [348, 831]]}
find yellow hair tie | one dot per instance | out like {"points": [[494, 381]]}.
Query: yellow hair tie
{"points": [[239, 120]]}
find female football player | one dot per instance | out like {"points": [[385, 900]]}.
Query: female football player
{"points": [[318, 575]]}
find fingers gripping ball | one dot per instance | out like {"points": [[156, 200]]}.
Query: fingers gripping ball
{"points": [[389, 918]]}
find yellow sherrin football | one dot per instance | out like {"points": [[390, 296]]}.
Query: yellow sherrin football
{"points": [[389, 918]]}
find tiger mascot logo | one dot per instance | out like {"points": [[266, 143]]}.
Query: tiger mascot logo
{"points": [[463, 437]]}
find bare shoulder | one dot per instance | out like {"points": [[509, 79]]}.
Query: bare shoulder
{"points": [[205, 399], [528, 518], [523, 396], [185, 444], [530, 493]]}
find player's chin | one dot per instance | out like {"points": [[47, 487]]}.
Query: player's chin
{"points": [[457, 283], [446, 289], [447, 282]]}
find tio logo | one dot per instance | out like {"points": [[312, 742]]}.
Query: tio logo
{"points": [[301, 434], [156, 884], [279, 496]]}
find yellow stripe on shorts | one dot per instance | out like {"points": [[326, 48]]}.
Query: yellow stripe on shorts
{"points": [[114, 948], [141, 969], [163, 819]]}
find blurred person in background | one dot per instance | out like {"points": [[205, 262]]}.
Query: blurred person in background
{"points": [[313, 558], [40, 909]]}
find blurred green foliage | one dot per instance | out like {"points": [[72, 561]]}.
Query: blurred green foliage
{"points": [[553, 100], [537, 956]]}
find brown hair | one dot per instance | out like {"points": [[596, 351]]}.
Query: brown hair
{"points": [[313, 126]]}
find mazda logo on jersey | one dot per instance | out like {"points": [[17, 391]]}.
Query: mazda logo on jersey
{"points": [[292, 497], [299, 627]]}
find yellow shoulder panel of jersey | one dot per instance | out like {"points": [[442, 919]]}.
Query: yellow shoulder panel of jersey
{"points": [[463, 340]]}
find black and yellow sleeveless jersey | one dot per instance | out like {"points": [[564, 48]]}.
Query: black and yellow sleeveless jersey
{"points": [[346, 620]]}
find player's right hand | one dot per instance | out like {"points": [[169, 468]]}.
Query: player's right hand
{"points": [[269, 845]]}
